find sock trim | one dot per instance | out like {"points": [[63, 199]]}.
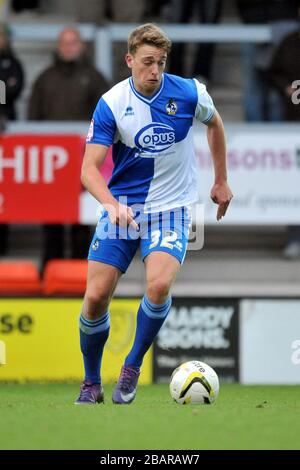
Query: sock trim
{"points": [[155, 311], [91, 327], [95, 322]]}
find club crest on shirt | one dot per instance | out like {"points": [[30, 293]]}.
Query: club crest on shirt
{"points": [[171, 107], [95, 245]]}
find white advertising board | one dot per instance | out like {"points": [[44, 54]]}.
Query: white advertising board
{"points": [[263, 172], [270, 341]]}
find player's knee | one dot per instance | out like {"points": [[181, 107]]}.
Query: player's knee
{"points": [[158, 290], [95, 302]]}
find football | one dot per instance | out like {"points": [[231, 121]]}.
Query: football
{"points": [[194, 382]]}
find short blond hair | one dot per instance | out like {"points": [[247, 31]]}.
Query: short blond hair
{"points": [[148, 34]]}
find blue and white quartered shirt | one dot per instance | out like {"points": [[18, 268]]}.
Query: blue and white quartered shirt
{"points": [[152, 137]]}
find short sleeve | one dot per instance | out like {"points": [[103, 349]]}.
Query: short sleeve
{"points": [[205, 108], [103, 125]]}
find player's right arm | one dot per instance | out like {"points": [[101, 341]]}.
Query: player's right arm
{"points": [[95, 183]]}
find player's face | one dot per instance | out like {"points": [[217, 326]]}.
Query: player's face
{"points": [[147, 65]]}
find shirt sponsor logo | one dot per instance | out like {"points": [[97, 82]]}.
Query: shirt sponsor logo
{"points": [[155, 138]]}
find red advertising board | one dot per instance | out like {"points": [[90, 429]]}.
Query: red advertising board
{"points": [[40, 178]]}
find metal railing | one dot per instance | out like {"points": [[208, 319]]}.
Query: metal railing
{"points": [[104, 37]]}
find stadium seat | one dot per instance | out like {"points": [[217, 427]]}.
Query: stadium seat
{"points": [[19, 278], [65, 277]]}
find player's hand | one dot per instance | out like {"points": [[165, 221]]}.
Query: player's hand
{"points": [[221, 195], [122, 215]]}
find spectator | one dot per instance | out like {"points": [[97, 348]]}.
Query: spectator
{"points": [[262, 102], [11, 73], [183, 12], [284, 70], [68, 90], [157, 10], [132, 11]]}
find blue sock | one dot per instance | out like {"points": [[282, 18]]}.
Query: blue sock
{"points": [[93, 336], [150, 318]]}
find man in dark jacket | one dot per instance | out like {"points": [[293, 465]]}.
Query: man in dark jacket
{"points": [[11, 73], [284, 70], [66, 91], [261, 100], [71, 87], [284, 73]]}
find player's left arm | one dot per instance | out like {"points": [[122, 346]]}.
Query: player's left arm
{"points": [[220, 192]]}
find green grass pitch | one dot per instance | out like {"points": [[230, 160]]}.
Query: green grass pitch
{"points": [[43, 416]]}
